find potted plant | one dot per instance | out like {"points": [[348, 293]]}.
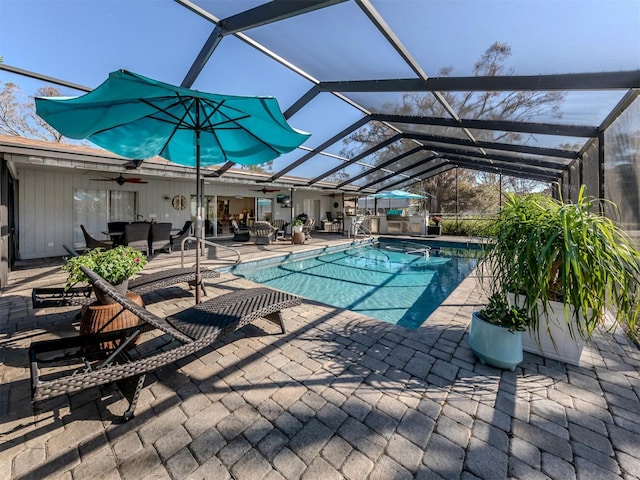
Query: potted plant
{"points": [[495, 335], [296, 226], [564, 260], [116, 266]]}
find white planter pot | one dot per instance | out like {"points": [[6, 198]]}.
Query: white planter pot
{"points": [[297, 229], [495, 345], [553, 339]]}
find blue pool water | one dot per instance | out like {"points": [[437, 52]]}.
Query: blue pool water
{"points": [[391, 281]]}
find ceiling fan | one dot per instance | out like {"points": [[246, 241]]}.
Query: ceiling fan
{"points": [[267, 190], [120, 180]]}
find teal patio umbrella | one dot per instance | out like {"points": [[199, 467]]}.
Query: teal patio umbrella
{"points": [[397, 194], [139, 118], [401, 194]]}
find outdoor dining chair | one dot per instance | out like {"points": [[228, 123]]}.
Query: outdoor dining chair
{"points": [[136, 235], [160, 237], [91, 242], [176, 239]]}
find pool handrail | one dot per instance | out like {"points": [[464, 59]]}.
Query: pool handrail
{"points": [[357, 226], [209, 243]]}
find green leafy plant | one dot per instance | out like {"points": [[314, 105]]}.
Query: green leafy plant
{"points": [[546, 250], [297, 223], [115, 265], [499, 312]]}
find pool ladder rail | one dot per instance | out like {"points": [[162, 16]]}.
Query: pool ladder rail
{"points": [[358, 228]]}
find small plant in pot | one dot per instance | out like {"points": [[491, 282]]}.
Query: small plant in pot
{"points": [[565, 264], [297, 225], [495, 335], [116, 266]]}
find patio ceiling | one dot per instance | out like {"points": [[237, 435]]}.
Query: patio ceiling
{"points": [[340, 66]]}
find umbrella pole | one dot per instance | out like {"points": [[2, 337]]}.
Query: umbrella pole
{"points": [[198, 220]]}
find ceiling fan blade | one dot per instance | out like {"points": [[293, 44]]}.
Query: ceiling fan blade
{"points": [[120, 180], [267, 190]]}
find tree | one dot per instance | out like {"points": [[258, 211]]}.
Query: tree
{"points": [[18, 114], [514, 106]]}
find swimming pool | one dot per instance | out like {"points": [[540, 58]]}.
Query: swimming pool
{"points": [[397, 282]]}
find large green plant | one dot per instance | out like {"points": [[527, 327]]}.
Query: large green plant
{"points": [[115, 265], [546, 250]]}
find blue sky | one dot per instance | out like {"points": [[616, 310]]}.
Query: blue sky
{"points": [[83, 40]]}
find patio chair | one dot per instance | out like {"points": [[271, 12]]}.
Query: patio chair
{"points": [[116, 230], [187, 332], [265, 233], [240, 234], [136, 235], [91, 242], [176, 239], [280, 225], [160, 237], [307, 227]]}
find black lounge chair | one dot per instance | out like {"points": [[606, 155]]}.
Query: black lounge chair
{"points": [[189, 331]]}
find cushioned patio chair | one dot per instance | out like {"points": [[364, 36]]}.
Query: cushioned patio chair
{"points": [[265, 233], [160, 237], [240, 234], [136, 235], [176, 239], [91, 242], [81, 366]]}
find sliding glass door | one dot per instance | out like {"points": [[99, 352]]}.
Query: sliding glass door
{"points": [[95, 208]]}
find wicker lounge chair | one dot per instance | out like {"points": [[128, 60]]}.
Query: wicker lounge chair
{"points": [[188, 331], [265, 233]]}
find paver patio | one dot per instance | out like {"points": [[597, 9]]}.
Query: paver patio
{"points": [[339, 396]]}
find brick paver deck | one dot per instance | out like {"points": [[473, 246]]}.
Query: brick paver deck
{"points": [[339, 396]]}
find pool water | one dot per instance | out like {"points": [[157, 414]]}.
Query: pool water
{"points": [[392, 281]]}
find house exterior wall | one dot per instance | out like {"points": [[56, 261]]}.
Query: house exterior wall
{"points": [[45, 219]]}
